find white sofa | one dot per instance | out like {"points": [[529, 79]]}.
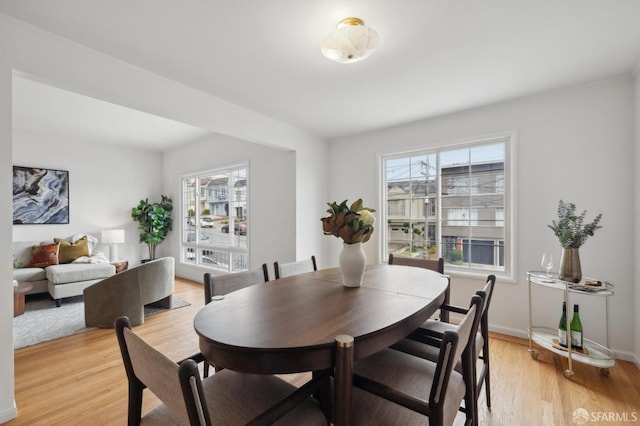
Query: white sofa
{"points": [[63, 280]]}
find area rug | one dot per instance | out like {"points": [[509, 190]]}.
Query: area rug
{"points": [[42, 321]]}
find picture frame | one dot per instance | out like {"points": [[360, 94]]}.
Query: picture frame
{"points": [[40, 196]]}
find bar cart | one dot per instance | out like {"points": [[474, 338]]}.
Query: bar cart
{"points": [[593, 353]]}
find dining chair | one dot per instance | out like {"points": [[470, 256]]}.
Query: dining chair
{"points": [[219, 285], [393, 387], [293, 268], [227, 397], [415, 344], [434, 265]]}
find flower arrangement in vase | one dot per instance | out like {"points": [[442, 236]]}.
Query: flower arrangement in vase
{"points": [[354, 225], [572, 232]]}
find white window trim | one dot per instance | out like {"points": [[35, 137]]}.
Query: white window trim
{"points": [[510, 274], [196, 246]]}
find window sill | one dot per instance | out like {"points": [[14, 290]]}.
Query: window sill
{"points": [[481, 275]]}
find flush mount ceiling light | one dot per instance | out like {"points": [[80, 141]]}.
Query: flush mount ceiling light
{"points": [[351, 41]]}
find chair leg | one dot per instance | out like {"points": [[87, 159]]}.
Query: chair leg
{"points": [[487, 385], [135, 403], [471, 394], [323, 395], [485, 359]]}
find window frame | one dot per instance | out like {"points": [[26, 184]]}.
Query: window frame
{"points": [[510, 202], [226, 250]]}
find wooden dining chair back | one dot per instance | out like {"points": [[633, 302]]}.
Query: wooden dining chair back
{"points": [[293, 268], [484, 374], [431, 264], [148, 368], [219, 285], [410, 388], [228, 397], [434, 265], [481, 343], [419, 345]]}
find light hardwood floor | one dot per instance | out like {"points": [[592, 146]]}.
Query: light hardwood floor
{"points": [[80, 380]]}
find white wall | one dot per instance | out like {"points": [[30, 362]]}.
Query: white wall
{"points": [[70, 66], [636, 215], [105, 182], [312, 177], [272, 210], [574, 144], [7, 404]]}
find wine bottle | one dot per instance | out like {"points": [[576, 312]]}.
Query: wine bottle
{"points": [[576, 329], [562, 326]]}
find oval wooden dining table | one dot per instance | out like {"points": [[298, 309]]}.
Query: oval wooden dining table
{"points": [[289, 325]]}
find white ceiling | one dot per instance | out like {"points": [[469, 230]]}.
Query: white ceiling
{"points": [[435, 56]]}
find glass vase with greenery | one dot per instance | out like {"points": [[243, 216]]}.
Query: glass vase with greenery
{"points": [[572, 232], [570, 227]]}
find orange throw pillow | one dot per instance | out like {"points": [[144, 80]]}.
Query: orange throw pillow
{"points": [[44, 255]]}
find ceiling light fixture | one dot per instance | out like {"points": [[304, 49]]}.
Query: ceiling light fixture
{"points": [[351, 41]]}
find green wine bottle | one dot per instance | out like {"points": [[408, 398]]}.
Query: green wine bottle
{"points": [[562, 326], [576, 329]]}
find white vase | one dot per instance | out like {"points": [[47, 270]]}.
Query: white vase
{"points": [[352, 261]]}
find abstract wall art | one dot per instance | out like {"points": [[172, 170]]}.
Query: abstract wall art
{"points": [[40, 196]]}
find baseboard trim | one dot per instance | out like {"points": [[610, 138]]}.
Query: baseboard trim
{"points": [[9, 413]]}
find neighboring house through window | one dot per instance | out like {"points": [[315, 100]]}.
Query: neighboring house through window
{"points": [[214, 229], [450, 202]]}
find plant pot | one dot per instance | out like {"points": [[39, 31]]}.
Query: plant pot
{"points": [[352, 262], [570, 265]]}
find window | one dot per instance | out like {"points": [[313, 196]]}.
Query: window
{"points": [[454, 205], [214, 229], [396, 207], [462, 217]]}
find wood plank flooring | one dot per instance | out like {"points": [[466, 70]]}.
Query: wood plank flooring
{"points": [[80, 380]]}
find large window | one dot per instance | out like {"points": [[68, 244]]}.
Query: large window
{"points": [[214, 226], [450, 202]]}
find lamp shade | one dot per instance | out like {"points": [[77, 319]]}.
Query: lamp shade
{"points": [[113, 236], [350, 42]]}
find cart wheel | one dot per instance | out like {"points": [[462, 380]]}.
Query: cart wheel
{"points": [[534, 354], [604, 372], [568, 373]]}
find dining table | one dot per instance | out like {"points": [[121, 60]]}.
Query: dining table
{"points": [[290, 325]]}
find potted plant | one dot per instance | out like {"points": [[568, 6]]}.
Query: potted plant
{"points": [[572, 232], [154, 222], [354, 225]]}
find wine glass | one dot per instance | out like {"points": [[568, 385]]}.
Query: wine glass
{"points": [[547, 262]]}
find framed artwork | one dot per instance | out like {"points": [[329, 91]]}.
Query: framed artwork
{"points": [[40, 196]]}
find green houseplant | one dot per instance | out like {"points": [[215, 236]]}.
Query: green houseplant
{"points": [[154, 222]]}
